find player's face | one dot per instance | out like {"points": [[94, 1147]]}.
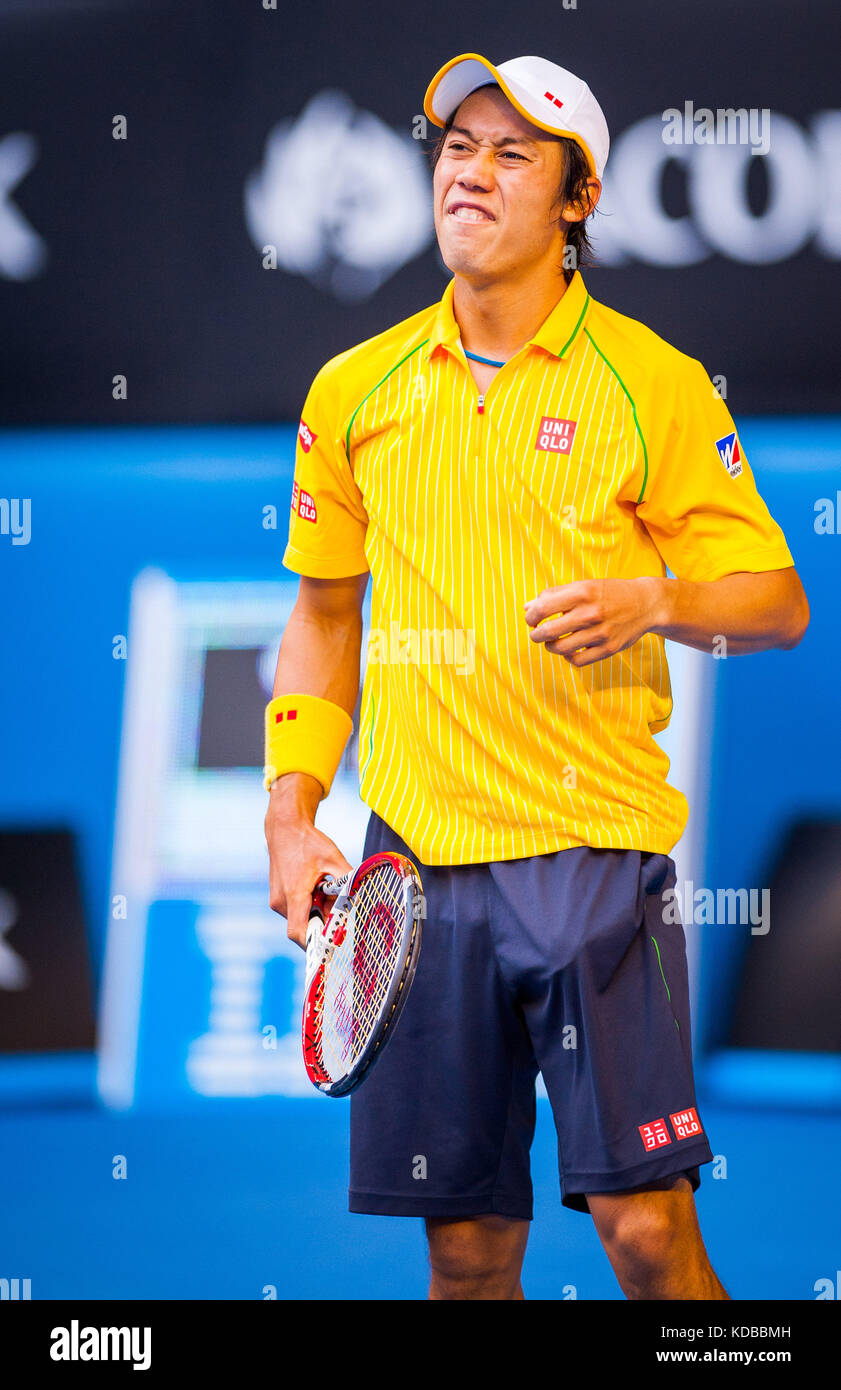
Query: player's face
{"points": [[495, 191]]}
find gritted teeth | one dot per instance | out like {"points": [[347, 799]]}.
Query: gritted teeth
{"points": [[470, 214]]}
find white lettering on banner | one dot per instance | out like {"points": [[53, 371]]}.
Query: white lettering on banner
{"points": [[803, 171], [23, 253]]}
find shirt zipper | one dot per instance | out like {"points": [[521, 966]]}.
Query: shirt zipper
{"points": [[480, 434]]}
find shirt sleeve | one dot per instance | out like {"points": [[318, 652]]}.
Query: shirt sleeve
{"points": [[327, 520], [700, 504]]}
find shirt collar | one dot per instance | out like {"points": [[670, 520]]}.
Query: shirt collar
{"points": [[557, 334], [559, 331], [445, 330]]}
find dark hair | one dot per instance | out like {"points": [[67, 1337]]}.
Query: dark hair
{"points": [[572, 189]]}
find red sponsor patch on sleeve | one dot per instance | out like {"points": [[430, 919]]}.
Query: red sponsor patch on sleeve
{"points": [[654, 1135], [303, 503], [306, 436], [686, 1124]]}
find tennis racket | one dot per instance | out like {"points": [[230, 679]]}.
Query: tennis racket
{"points": [[363, 941]]}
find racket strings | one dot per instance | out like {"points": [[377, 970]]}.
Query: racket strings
{"points": [[360, 971]]}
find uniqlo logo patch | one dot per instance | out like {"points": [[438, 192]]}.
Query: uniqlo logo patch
{"points": [[306, 436], [303, 503], [555, 435], [654, 1135], [686, 1124]]}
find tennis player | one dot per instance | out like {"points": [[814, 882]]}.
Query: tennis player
{"points": [[517, 467]]}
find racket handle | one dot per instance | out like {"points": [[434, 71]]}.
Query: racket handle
{"points": [[320, 906], [324, 894]]}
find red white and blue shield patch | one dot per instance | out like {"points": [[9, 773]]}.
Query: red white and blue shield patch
{"points": [[730, 454]]}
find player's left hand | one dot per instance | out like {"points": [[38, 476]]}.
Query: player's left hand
{"points": [[598, 617]]}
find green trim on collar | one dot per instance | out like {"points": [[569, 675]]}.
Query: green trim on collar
{"points": [[633, 409], [576, 328]]}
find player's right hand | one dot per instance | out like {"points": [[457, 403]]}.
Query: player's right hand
{"points": [[298, 856]]}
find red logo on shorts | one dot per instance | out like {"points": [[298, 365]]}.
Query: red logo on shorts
{"points": [[686, 1124], [306, 436], [555, 435], [303, 503], [654, 1135]]}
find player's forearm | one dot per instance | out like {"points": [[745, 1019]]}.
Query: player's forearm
{"points": [[319, 655], [754, 612]]}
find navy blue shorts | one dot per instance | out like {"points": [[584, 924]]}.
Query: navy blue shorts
{"points": [[560, 964]]}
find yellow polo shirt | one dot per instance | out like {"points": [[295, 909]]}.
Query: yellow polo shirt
{"points": [[598, 450]]}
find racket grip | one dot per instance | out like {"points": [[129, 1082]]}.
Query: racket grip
{"points": [[319, 904], [325, 893], [323, 897]]}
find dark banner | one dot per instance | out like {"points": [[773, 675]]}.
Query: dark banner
{"points": [[200, 203], [46, 994]]}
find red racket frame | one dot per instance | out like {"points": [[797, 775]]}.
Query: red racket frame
{"points": [[323, 905]]}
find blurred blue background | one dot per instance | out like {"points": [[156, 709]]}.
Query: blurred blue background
{"points": [[219, 1194], [158, 1138]]}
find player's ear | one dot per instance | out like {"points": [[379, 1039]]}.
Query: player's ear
{"points": [[585, 203]]}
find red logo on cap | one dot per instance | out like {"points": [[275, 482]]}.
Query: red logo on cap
{"points": [[654, 1135], [555, 435], [550, 97], [686, 1124]]}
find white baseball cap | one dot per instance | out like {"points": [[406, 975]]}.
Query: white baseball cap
{"points": [[548, 96]]}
